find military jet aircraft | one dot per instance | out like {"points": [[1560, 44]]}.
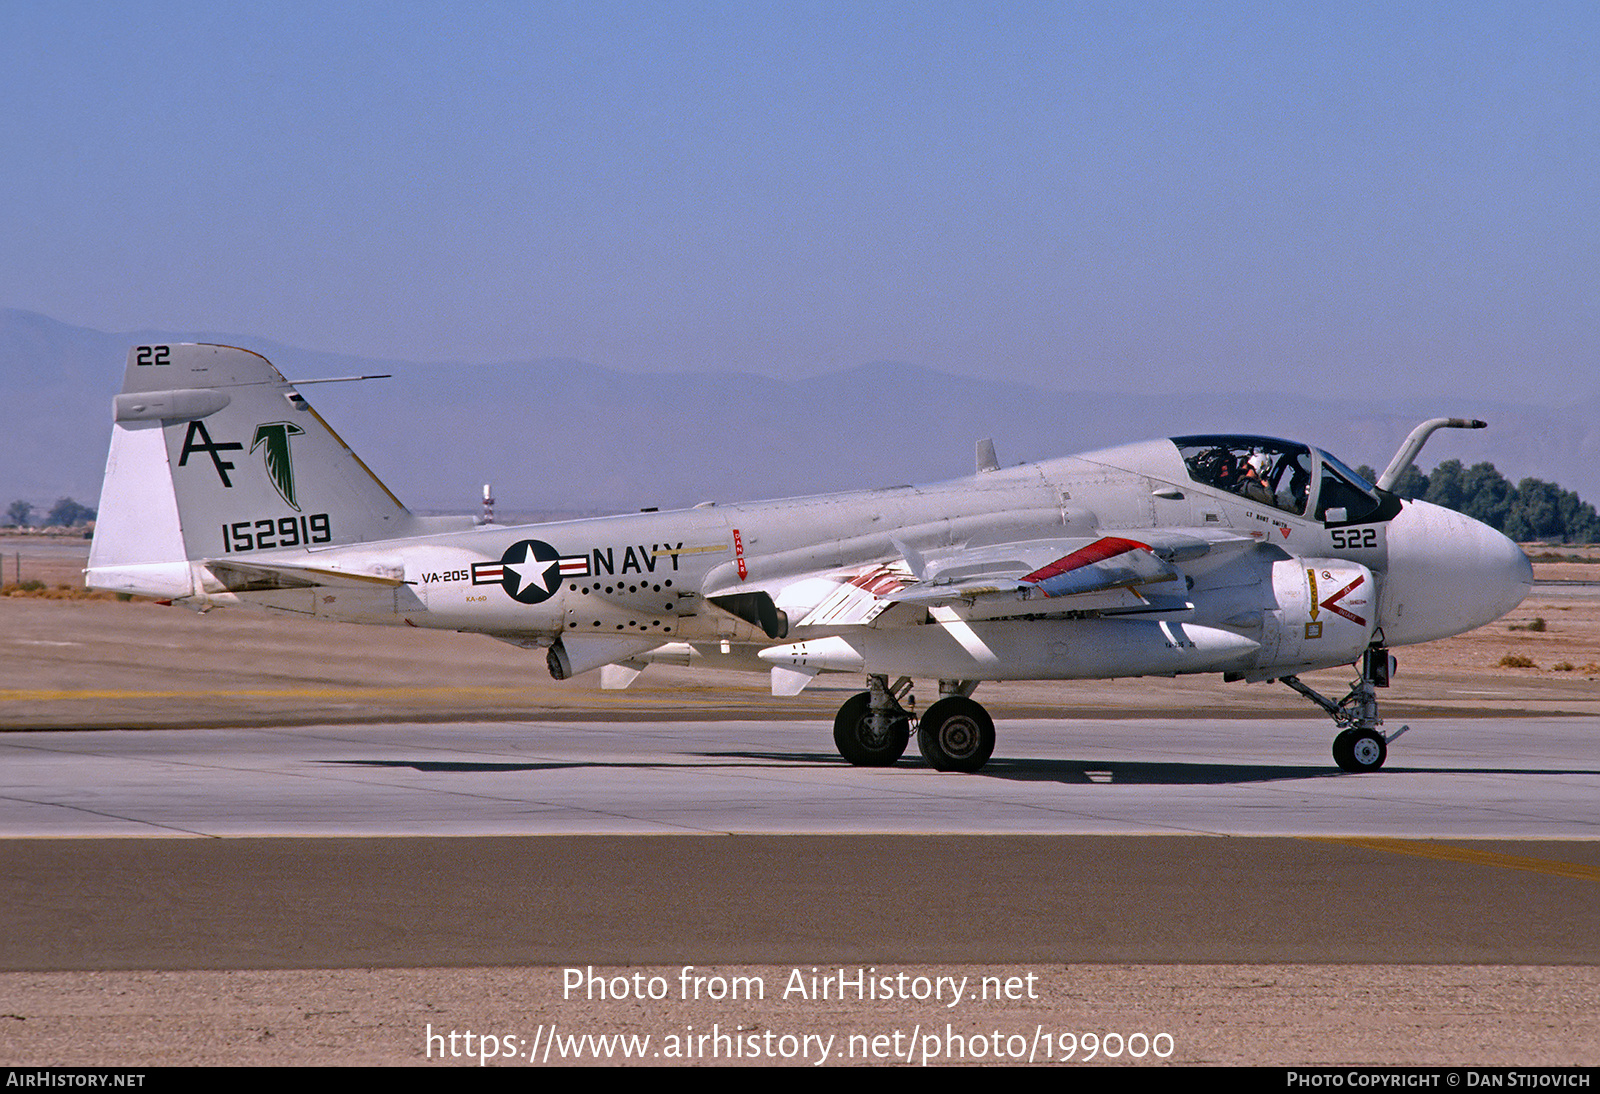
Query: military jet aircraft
{"points": [[1246, 556]]}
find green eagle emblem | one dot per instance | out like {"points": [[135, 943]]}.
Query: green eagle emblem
{"points": [[274, 436]]}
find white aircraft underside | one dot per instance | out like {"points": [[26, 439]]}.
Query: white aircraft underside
{"points": [[1247, 556]]}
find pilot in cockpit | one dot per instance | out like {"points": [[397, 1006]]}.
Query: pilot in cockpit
{"points": [[1255, 485]]}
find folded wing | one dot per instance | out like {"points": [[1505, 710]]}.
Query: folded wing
{"points": [[998, 580]]}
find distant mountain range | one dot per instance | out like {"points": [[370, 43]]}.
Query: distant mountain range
{"points": [[572, 437]]}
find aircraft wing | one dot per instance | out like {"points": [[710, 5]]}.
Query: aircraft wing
{"points": [[1007, 578], [1055, 569], [1039, 571]]}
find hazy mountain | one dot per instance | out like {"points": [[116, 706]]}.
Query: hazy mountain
{"points": [[568, 435]]}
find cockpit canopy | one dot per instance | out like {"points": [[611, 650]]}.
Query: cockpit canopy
{"points": [[1283, 474]]}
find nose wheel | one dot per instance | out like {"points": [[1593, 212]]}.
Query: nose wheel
{"points": [[1360, 750], [1360, 746]]}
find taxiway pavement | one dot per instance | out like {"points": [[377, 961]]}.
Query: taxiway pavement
{"points": [[1450, 778], [644, 842]]}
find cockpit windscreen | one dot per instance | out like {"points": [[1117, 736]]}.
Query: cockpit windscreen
{"points": [[1263, 469], [1345, 496]]}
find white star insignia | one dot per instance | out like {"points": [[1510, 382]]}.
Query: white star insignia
{"points": [[530, 571]]}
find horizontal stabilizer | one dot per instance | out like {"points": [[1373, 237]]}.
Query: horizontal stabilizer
{"points": [[238, 577]]}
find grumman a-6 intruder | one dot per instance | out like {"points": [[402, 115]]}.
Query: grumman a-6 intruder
{"points": [[1250, 557]]}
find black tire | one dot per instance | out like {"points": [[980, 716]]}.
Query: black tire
{"points": [[956, 734], [1360, 750], [853, 736]]}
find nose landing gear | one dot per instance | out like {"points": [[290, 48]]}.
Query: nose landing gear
{"points": [[1360, 746], [1360, 750]]}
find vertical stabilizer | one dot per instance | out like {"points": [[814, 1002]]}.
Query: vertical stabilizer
{"points": [[214, 455]]}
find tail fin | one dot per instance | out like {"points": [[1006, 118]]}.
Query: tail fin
{"points": [[214, 454]]}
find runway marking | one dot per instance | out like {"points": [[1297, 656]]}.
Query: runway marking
{"points": [[1448, 853]]}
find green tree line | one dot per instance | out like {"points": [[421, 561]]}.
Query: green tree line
{"points": [[1531, 510], [65, 513]]}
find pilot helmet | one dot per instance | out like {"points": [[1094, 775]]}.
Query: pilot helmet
{"points": [[1260, 463]]}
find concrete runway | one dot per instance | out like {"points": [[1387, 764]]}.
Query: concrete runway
{"points": [[1075, 822], [1534, 778]]}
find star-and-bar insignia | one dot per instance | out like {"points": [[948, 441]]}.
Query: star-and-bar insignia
{"points": [[530, 571]]}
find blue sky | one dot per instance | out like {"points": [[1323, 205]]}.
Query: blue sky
{"points": [[1320, 198]]}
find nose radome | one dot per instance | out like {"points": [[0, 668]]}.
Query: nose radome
{"points": [[1447, 574]]}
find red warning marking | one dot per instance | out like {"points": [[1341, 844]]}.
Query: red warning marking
{"points": [[1098, 551], [1332, 603], [738, 554]]}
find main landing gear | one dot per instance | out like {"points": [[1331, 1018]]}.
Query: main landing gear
{"points": [[1360, 746], [873, 728]]}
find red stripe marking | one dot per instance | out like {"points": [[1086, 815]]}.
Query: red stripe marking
{"points": [[1098, 551]]}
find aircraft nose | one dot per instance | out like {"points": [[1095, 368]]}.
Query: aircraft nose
{"points": [[1447, 574]]}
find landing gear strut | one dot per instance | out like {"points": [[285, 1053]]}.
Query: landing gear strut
{"points": [[872, 729], [1360, 746]]}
